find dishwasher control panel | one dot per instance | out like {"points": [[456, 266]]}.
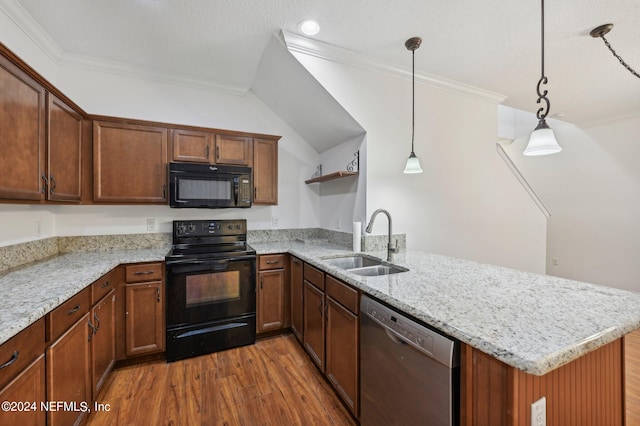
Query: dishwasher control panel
{"points": [[404, 329]]}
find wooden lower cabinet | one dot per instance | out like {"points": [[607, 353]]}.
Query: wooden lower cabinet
{"points": [[145, 323], [28, 386], [271, 299], [68, 374], [103, 339], [585, 392], [314, 323], [295, 273], [342, 352]]}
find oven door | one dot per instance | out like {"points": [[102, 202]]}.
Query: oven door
{"points": [[206, 290]]}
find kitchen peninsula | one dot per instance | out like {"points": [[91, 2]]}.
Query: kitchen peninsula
{"points": [[517, 329]]}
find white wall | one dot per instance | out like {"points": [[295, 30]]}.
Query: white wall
{"points": [[466, 204], [105, 93], [592, 189]]}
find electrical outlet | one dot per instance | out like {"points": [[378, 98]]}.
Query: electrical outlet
{"points": [[151, 224], [274, 222], [539, 412], [554, 261], [38, 228]]}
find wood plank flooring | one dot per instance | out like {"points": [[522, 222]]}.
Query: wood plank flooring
{"points": [[270, 383]]}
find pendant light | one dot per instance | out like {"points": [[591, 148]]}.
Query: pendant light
{"points": [[413, 164], [542, 140]]}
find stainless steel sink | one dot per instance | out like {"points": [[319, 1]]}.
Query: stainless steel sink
{"points": [[364, 265], [373, 271], [352, 262]]}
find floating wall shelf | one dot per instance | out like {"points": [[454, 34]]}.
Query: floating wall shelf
{"points": [[331, 176]]}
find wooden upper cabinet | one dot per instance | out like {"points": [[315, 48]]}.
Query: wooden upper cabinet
{"points": [[265, 172], [64, 151], [129, 163], [192, 146], [22, 134], [234, 150]]}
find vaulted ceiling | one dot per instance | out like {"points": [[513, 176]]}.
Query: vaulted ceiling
{"points": [[490, 44]]}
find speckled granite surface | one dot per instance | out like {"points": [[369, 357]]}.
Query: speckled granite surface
{"points": [[20, 254], [32, 291], [532, 322]]}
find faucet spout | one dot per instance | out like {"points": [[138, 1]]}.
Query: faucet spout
{"points": [[390, 247]]}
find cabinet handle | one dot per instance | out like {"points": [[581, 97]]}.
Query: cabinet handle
{"points": [[92, 329], [296, 260], [45, 183], [164, 191], [320, 307], [105, 284], [217, 153], [272, 262], [255, 192], [158, 293], [13, 359], [261, 282], [73, 310], [53, 184], [143, 273], [207, 152], [95, 317]]}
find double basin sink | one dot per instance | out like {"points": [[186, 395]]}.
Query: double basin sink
{"points": [[364, 265]]}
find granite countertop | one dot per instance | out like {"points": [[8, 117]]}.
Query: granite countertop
{"points": [[31, 291], [533, 322]]}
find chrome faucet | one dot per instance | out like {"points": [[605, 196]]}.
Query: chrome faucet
{"points": [[390, 248]]}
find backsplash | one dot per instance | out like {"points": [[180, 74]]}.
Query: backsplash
{"points": [[20, 254]]}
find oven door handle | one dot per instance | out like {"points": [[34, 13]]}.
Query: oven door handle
{"points": [[201, 262]]}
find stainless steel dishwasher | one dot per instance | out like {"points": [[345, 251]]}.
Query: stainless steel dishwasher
{"points": [[409, 374]]}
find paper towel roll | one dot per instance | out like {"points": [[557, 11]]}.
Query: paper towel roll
{"points": [[357, 235]]}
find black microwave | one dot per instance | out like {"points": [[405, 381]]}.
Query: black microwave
{"points": [[209, 186]]}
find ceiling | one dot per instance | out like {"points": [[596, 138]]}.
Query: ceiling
{"points": [[490, 44]]}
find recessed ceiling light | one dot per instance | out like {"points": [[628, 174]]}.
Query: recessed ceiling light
{"points": [[309, 27]]}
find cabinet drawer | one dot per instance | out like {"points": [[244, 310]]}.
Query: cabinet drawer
{"points": [[346, 295], [19, 351], [314, 275], [271, 261], [102, 287], [65, 315], [143, 272]]}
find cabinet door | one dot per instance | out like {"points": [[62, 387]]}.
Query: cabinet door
{"points": [[265, 172], [103, 341], [22, 126], [64, 151], [28, 386], [271, 298], [343, 333], [314, 323], [129, 163], [234, 150], [192, 146], [296, 298], [145, 331], [68, 372]]}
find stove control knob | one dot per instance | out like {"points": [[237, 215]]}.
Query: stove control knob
{"points": [[191, 227], [182, 228]]}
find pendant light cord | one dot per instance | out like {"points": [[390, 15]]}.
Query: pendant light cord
{"points": [[624, 64], [542, 94], [413, 96]]}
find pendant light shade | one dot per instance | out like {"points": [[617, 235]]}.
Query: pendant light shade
{"points": [[542, 140], [413, 164]]}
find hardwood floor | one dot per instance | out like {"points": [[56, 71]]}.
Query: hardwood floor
{"points": [[632, 377], [270, 383]]}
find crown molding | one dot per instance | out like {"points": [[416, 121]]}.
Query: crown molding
{"points": [[143, 73], [306, 46]]}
